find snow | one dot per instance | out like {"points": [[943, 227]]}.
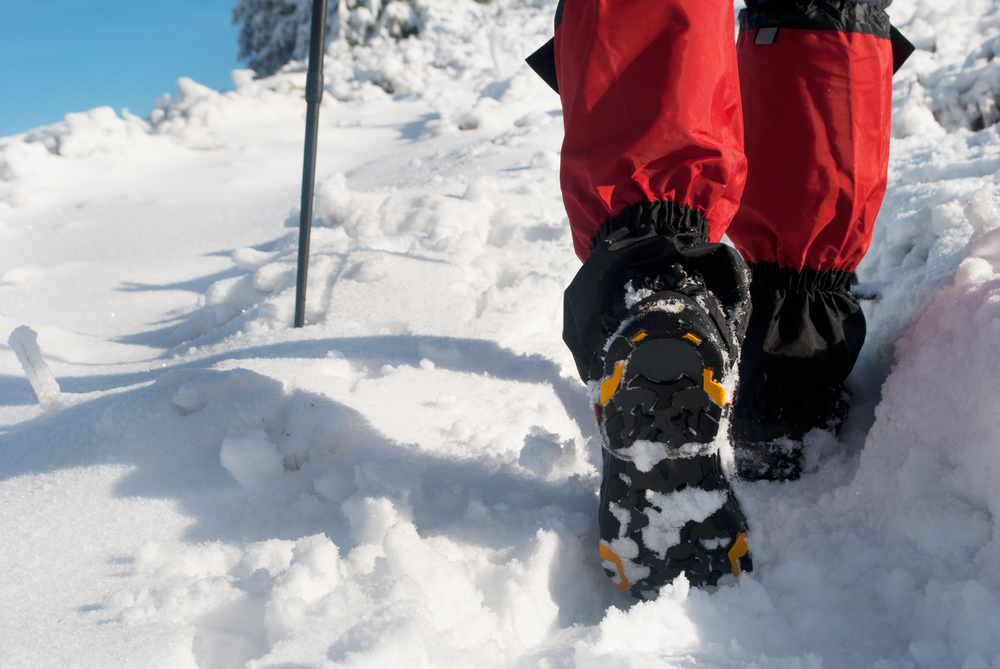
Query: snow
{"points": [[411, 479], [24, 342], [665, 522]]}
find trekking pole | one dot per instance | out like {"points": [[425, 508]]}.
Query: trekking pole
{"points": [[314, 95]]}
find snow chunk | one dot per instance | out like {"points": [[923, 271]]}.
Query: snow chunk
{"points": [[541, 451], [370, 518], [478, 190], [24, 342], [672, 511], [19, 159], [251, 259], [655, 629], [530, 611], [335, 203], [274, 555], [644, 454], [251, 459], [99, 129], [305, 590], [634, 296]]}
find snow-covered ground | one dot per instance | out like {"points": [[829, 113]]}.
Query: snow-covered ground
{"points": [[409, 480]]}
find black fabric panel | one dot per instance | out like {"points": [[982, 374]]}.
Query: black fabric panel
{"points": [[559, 12], [881, 4], [655, 245], [804, 336], [901, 48], [840, 15], [543, 62]]}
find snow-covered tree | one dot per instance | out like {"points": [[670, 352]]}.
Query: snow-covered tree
{"points": [[274, 32]]}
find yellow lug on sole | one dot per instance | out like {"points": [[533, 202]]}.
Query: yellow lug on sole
{"points": [[610, 556], [714, 390], [739, 548], [610, 385]]}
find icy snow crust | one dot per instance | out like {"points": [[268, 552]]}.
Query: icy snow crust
{"points": [[411, 479]]}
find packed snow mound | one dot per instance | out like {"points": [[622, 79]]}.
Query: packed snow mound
{"points": [[411, 479]]}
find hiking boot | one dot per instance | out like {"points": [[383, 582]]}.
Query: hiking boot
{"points": [[666, 506], [767, 452], [773, 451], [802, 339]]}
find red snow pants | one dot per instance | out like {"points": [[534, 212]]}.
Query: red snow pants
{"points": [[656, 101], [780, 140], [651, 107]]}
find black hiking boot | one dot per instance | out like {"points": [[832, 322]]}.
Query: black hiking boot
{"points": [[773, 451], [767, 452], [802, 340], [666, 506]]}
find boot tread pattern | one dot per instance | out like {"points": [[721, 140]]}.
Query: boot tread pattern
{"points": [[663, 383]]}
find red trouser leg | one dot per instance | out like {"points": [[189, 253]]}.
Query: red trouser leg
{"points": [[817, 107], [651, 107], [652, 160]]}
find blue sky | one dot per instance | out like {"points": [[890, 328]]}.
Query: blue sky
{"points": [[58, 56]]}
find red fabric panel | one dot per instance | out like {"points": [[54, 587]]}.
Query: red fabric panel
{"points": [[651, 108], [817, 107]]}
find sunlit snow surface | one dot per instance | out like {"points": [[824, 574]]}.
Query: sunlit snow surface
{"points": [[409, 480]]}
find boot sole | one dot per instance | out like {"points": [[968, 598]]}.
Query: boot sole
{"points": [[666, 507]]}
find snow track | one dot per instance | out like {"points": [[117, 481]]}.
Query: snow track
{"points": [[411, 479]]}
